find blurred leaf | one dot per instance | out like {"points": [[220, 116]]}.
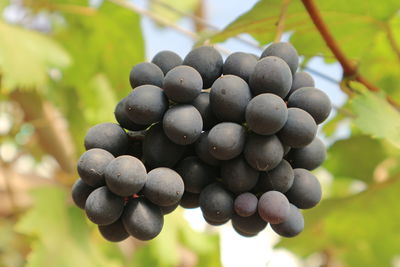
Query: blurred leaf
{"points": [[99, 99], [353, 158], [95, 43], [358, 21], [376, 117], [331, 126], [60, 234], [26, 64], [381, 64], [11, 245], [167, 249], [104, 46], [161, 8], [361, 230]]}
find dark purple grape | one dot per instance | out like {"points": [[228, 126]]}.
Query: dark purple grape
{"points": [[164, 187], [299, 130], [107, 136], [285, 51], [167, 60], [80, 192], [146, 73], [246, 204], [142, 219], [292, 226], [273, 207], [103, 207], [309, 157], [114, 232], [305, 192], [278, 179], [92, 164], [238, 175]]}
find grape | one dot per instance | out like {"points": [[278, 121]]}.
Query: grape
{"points": [[80, 192], [142, 219], [271, 75], [299, 130], [91, 166], [240, 64], [301, 79], [215, 222], [114, 232], [226, 140], [107, 136], [240, 232], [146, 104], [202, 104], [135, 148], [312, 100], [146, 73], [254, 56], [103, 207], [292, 226], [189, 200], [309, 157], [279, 179], [182, 84], [201, 148], [123, 119], [305, 192], [250, 225], [158, 150], [125, 175], [168, 209], [182, 124], [164, 187], [229, 97], [266, 114], [286, 149], [284, 50], [238, 176], [263, 153], [273, 207], [246, 204], [167, 60], [195, 174], [216, 203], [207, 61]]}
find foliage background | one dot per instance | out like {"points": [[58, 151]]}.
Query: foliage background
{"points": [[64, 64]]}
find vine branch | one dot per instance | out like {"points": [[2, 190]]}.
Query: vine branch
{"points": [[280, 27], [349, 69], [392, 40]]}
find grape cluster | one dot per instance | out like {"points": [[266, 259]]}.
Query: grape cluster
{"points": [[235, 138]]}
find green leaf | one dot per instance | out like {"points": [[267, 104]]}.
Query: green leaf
{"points": [[26, 64], [185, 6], [361, 230], [358, 21], [110, 41], [356, 157], [376, 117], [382, 64], [165, 250], [60, 234]]}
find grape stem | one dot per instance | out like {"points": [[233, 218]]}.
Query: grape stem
{"points": [[136, 135]]}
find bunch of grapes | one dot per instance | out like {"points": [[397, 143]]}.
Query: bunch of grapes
{"points": [[235, 138]]}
